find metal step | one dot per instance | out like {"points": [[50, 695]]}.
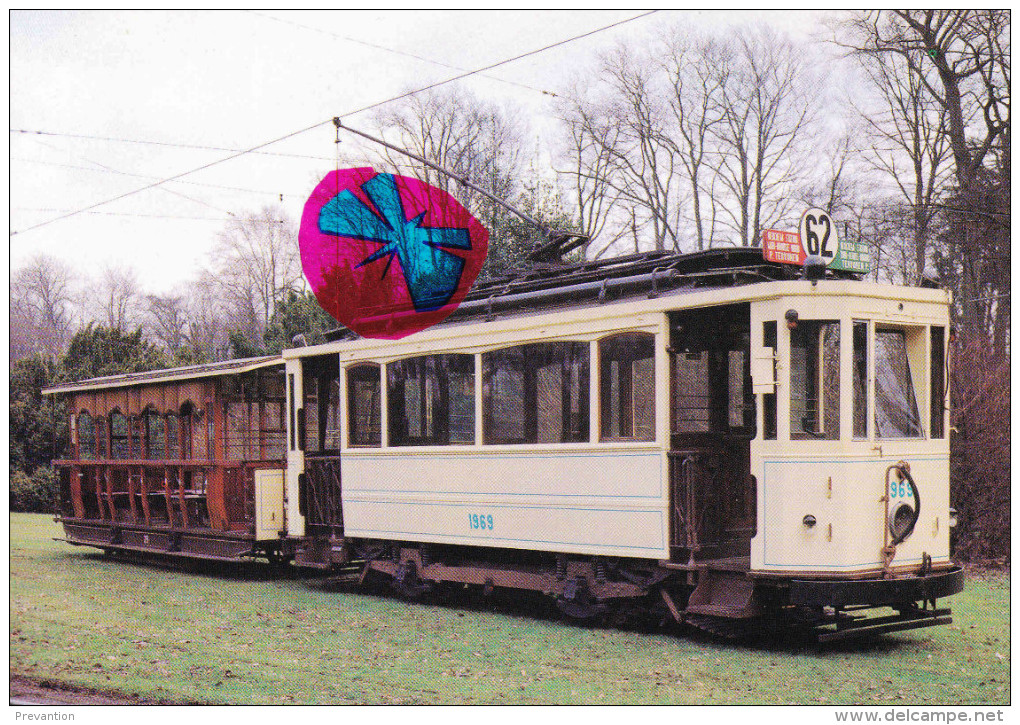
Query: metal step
{"points": [[724, 594], [868, 626]]}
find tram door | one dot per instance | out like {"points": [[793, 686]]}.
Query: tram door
{"points": [[319, 428], [712, 424]]}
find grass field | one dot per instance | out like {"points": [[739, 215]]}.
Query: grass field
{"points": [[80, 619]]}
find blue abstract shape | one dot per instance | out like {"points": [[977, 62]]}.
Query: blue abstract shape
{"points": [[432, 273]]}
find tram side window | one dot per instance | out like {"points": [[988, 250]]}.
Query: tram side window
{"points": [[208, 447], [173, 441], [693, 394], [237, 429], [814, 380], [193, 435], [938, 382], [740, 403], [118, 435], [155, 435], [503, 396], [101, 425], [135, 424], [364, 406], [273, 429], [431, 400], [311, 408], [536, 393], [896, 413], [860, 378], [86, 436], [627, 390], [331, 430]]}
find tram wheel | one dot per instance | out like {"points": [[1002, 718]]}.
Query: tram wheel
{"points": [[581, 606], [408, 584]]}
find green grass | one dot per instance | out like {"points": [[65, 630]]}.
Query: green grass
{"points": [[80, 619]]}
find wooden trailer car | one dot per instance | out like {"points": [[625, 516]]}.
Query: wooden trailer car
{"points": [[182, 462]]}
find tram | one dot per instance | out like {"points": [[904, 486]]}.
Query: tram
{"points": [[725, 438]]}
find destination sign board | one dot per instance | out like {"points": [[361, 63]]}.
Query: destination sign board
{"points": [[782, 247]]}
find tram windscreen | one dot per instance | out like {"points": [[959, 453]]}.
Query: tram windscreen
{"points": [[814, 380], [896, 413], [860, 379]]}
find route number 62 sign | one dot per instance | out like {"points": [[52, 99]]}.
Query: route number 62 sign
{"points": [[819, 238], [818, 235]]}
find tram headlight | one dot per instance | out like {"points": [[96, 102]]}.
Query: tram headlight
{"points": [[952, 518], [901, 522], [814, 269]]}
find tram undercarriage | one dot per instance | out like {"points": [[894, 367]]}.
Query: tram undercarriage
{"points": [[721, 597]]}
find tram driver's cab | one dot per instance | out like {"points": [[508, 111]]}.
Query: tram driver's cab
{"points": [[851, 455]]}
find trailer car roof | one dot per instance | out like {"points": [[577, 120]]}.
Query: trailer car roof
{"points": [[190, 372]]}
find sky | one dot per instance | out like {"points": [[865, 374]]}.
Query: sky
{"points": [[103, 103]]}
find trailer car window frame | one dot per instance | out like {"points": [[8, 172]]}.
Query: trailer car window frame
{"points": [[85, 426]]}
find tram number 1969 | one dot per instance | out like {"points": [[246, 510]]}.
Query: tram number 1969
{"points": [[480, 521]]}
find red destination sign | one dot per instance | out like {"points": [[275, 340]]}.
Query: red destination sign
{"points": [[782, 247]]}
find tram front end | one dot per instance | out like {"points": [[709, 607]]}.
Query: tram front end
{"points": [[853, 461]]}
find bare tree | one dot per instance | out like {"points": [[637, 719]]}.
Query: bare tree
{"points": [[168, 320], [697, 70], [42, 299], [256, 263], [588, 147], [835, 187], [909, 145], [207, 326], [962, 59], [690, 134], [645, 165], [479, 141], [969, 50], [115, 300], [455, 130], [767, 105]]}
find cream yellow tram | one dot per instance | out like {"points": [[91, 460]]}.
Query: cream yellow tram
{"points": [[709, 432]]}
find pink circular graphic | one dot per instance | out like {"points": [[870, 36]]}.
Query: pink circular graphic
{"points": [[388, 255]]}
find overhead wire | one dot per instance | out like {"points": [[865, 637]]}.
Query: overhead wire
{"points": [[153, 185], [170, 144], [129, 214], [147, 176], [109, 169], [497, 65], [327, 121], [394, 51]]}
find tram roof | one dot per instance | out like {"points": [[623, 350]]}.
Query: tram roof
{"points": [[539, 286], [576, 283]]}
